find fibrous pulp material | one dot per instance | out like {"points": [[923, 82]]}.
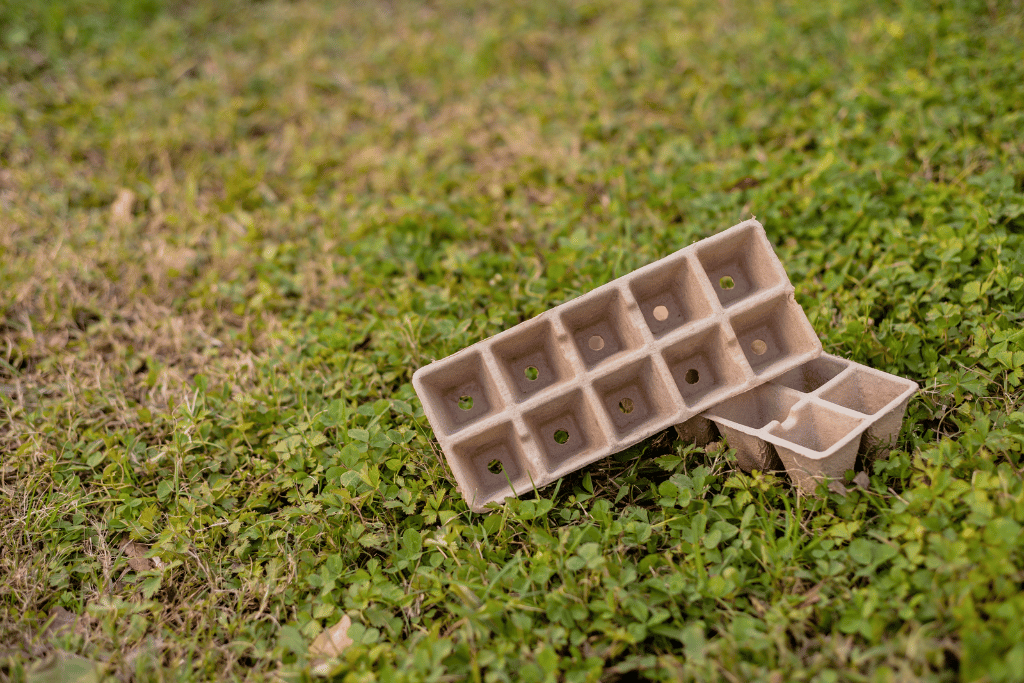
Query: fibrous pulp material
{"points": [[602, 372], [813, 420]]}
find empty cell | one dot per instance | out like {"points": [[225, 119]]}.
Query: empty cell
{"points": [[460, 390], [566, 430], [702, 366], [773, 333], [670, 296], [490, 464], [740, 265], [815, 427], [600, 327], [634, 396], [864, 392], [812, 375], [531, 360], [758, 407]]}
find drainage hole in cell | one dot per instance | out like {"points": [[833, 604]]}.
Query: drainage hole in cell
{"points": [[692, 376], [596, 343], [660, 313], [726, 282], [494, 467], [758, 347], [531, 373], [626, 405], [466, 402], [561, 436]]}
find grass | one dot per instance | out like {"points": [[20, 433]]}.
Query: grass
{"points": [[230, 232]]}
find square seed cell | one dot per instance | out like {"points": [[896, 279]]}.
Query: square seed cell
{"points": [[758, 407], [865, 392], [634, 396], [460, 390], [702, 366], [600, 327], [670, 296], [741, 266], [812, 375], [566, 430], [530, 359], [771, 334], [815, 427], [489, 464]]}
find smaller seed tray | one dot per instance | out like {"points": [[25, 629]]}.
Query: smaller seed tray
{"points": [[813, 420], [602, 372]]}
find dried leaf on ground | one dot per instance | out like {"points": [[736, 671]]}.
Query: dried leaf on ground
{"points": [[837, 487], [136, 554], [333, 641], [121, 209]]}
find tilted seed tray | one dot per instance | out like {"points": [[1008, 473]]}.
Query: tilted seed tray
{"points": [[813, 420], [608, 369]]}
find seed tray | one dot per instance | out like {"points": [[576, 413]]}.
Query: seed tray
{"points": [[813, 420], [602, 372]]}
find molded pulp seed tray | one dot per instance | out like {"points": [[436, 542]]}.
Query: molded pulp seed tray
{"points": [[815, 418], [602, 372]]}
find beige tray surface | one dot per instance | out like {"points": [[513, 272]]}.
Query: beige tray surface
{"points": [[610, 368], [813, 420]]}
